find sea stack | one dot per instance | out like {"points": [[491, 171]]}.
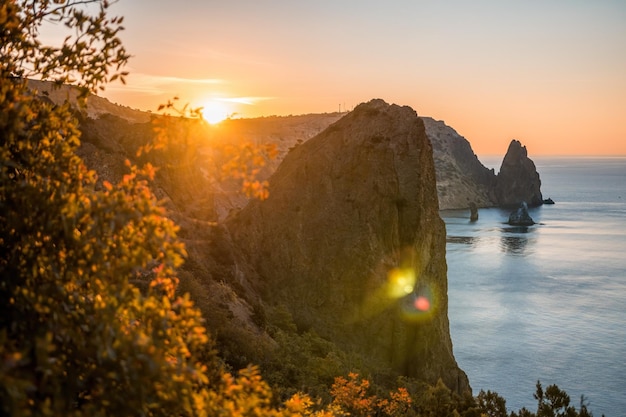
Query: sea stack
{"points": [[518, 180], [473, 212], [521, 217], [351, 243]]}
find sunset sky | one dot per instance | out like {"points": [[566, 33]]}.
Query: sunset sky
{"points": [[549, 73]]}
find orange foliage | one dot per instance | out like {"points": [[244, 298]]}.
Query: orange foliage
{"points": [[352, 396], [399, 404], [180, 132], [244, 162]]}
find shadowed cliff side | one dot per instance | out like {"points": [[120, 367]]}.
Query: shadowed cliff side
{"points": [[350, 242]]}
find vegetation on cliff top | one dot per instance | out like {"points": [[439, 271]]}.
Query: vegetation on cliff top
{"points": [[91, 323]]}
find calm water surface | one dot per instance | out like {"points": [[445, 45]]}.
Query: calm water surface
{"points": [[547, 302]]}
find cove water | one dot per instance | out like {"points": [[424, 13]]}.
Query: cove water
{"points": [[547, 302]]}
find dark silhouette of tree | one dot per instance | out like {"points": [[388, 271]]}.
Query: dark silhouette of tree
{"points": [[553, 402], [491, 404]]}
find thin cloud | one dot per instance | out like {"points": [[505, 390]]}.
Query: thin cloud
{"points": [[158, 84], [172, 80], [246, 100]]}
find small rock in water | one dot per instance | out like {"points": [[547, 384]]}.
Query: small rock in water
{"points": [[520, 217], [473, 212]]}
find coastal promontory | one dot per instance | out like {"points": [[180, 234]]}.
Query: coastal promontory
{"points": [[518, 180], [351, 245]]}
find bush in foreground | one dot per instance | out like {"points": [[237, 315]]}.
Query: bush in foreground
{"points": [[77, 335]]}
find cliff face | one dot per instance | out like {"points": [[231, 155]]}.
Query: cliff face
{"points": [[518, 180], [97, 106], [461, 178], [349, 246], [350, 242]]}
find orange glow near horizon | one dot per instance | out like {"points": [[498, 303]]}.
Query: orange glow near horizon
{"points": [[567, 129], [214, 111], [552, 76]]}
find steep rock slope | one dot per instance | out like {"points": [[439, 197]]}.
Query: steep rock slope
{"points": [[283, 131], [243, 312], [96, 106], [461, 178], [351, 244], [518, 180]]}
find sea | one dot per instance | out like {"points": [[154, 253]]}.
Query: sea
{"points": [[547, 302]]}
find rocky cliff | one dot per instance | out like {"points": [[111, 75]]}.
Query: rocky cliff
{"points": [[97, 106], [461, 178], [341, 269], [347, 256], [351, 244], [518, 180]]}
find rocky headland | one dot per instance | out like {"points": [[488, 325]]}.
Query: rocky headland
{"points": [[463, 181], [518, 180], [349, 210], [461, 178], [345, 261]]}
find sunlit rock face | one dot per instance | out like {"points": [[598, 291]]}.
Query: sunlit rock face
{"points": [[461, 178], [350, 242], [518, 180]]}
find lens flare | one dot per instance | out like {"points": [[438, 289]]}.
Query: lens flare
{"points": [[420, 305], [400, 282]]}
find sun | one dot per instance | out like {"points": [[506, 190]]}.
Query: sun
{"points": [[214, 111]]}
